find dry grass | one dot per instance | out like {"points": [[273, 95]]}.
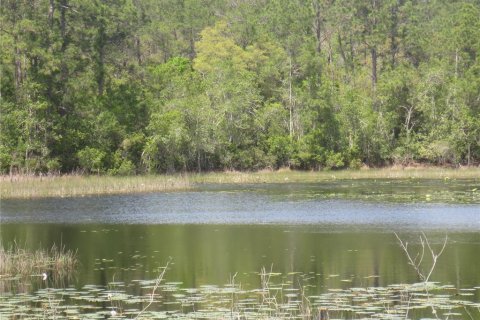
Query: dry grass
{"points": [[76, 185], [18, 261], [288, 176]]}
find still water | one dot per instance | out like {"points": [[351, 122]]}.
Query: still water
{"points": [[216, 232], [334, 206]]}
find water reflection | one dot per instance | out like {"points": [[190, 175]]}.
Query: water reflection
{"points": [[210, 254], [300, 232], [262, 206], [119, 258]]}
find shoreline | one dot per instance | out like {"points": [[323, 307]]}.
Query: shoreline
{"points": [[26, 187]]}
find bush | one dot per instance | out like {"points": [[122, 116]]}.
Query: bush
{"points": [[355, 164], [91, 159], [280, 147], [334, 160], [126, 168], [54, 166], [440, 152]]}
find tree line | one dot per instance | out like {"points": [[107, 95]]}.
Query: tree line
{"points": [[152, 86]]}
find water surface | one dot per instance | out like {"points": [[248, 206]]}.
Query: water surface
{"points": [[324, 205], [311, 234]]}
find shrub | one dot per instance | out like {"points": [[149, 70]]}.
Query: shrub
{"points": [[91, 159], [334, 160]]}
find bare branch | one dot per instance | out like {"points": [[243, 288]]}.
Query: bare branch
{"points": [[417, 265], [155, 287], [412, 262], [435, 256]]}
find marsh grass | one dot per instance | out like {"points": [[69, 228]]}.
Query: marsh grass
{"points": [[77, 185], [16, 261], [291, 176]]}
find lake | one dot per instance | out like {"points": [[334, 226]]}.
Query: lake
{"points": [[319, 236]]}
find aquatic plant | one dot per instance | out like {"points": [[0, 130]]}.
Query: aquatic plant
{"points": [[289, 176], [21, 187], [275, 298], [278, 296], [16, 261], [26, 186]]}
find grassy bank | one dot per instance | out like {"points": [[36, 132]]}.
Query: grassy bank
{"points": [[75, 185], [289, 176]]}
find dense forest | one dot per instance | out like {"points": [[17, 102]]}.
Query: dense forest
{"points": [[150, 86]]}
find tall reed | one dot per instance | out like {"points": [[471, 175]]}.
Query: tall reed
{"points": [[18, 261], [77, 185], [289, 176]]}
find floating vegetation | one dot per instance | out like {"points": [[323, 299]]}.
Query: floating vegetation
{"points": [[290, 295], [274, 299], [17, 262], [394, 190], [450, 185]]}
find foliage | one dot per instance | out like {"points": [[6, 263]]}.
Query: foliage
{"points": [[91, 159], [126, 87]]}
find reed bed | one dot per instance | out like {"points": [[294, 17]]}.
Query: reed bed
{"points": [[291, 176], [77, 185], [16, 261]]}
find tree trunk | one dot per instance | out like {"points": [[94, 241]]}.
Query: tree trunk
{"points": [[393, 36], [468, 154], [352, 55], [63, 109], [373, 48], [101, 71], [51, 11], [18, 66], [374, 67], [192, 44], [456, 63], [48, 43], [199, 162], [17, 53], [138, 51], [101, 59], [317, 26], [290, 99], [63, 23], [342, 50]]}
